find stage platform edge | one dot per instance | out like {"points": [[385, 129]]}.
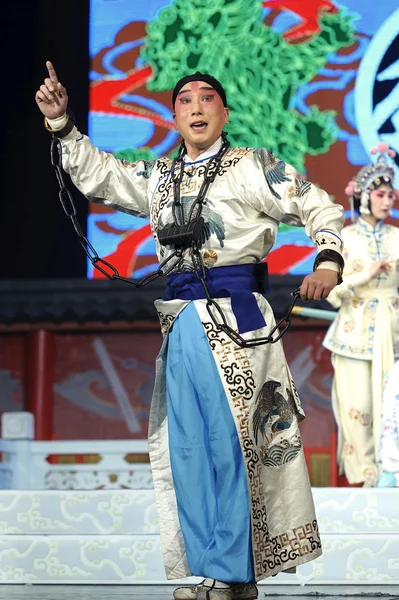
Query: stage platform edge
{"points": [[112, 538]]}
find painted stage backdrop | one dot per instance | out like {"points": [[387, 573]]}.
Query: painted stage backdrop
{"points": [[315, 81], [94, 374]]}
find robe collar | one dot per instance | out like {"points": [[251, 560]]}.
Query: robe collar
{"points": [[370, 228]]}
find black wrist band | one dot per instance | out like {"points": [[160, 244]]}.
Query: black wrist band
{"points": [[334, 256], [61, 133]]}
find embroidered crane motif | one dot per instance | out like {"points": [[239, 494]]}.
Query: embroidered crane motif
{"points": [[271, 403], [273, 169]]}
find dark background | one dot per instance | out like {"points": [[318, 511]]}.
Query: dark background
{"points": [[36, 238]]}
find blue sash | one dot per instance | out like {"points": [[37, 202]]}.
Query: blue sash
{"points": [[237, 282]]}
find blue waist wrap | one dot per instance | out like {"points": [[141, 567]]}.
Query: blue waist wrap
{"points": [[236, 282]]}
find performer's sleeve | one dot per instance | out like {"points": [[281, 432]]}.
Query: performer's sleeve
{"points": [[292, 200], [351, 280], [105, 179]]}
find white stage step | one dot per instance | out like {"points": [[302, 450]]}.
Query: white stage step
{"points": [[111, 537]]}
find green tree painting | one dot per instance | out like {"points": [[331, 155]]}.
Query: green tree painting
{"points": [[260, 71]]}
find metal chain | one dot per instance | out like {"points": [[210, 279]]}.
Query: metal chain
{"points": [[221, 325], [164, 268], [214, 163], [99, 263]]}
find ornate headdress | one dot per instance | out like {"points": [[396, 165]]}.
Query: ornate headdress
{"points": [[370, 178]]}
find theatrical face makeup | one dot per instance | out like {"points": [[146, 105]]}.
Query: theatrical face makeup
{"points": [[381, 202], [199, 116]]}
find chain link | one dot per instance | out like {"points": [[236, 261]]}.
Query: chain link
{"points": [[69, 208], [166, 267], [222, 325]]}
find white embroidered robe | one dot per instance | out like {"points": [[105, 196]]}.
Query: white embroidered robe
{"points": [[367, 324], [368, 317], [251, 194]]}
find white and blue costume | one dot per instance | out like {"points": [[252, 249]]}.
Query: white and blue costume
{"points": [[230, 478], [364, 340]]}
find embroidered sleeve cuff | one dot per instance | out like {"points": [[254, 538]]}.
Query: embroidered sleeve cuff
{"points": [[327, 240]]}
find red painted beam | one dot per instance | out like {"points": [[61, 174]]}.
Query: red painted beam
{"points": [[39, 381]]}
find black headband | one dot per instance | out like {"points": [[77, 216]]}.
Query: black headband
{"points": [[214, 83]]}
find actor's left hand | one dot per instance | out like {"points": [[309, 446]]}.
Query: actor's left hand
{"points": [[318, 285]]}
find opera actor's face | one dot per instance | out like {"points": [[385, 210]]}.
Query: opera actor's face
{"points": [[199, 116], [381, 201]]}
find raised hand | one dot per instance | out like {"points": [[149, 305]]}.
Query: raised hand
{"points": [[379, 266], [52, 97]]}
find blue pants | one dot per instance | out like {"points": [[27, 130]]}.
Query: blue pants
{"points": [[207, 464]]}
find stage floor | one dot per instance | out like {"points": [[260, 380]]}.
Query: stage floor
{"points": [[165, 592]]}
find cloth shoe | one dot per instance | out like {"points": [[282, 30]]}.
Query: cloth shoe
{"points": [[240, 591], [212, 589], [189, 592], [371, 478], [244, 591]]}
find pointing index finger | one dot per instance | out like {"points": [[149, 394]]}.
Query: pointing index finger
{"points": [[51, 72]]}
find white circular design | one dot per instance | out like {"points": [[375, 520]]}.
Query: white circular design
{"points": [[368, 117]]}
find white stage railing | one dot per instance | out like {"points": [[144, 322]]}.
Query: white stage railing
{"points": [[26, 464], [84, 513]]}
